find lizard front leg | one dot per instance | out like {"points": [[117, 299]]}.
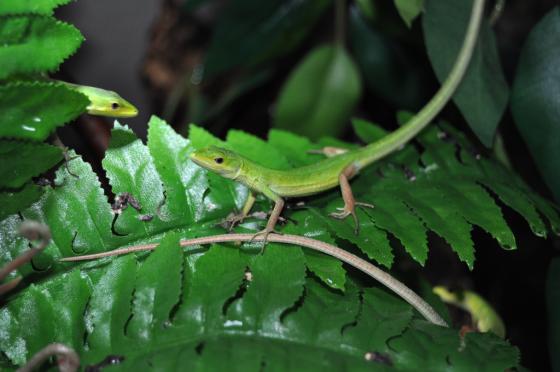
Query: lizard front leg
{"points": [[349, 202], [236, 218]]}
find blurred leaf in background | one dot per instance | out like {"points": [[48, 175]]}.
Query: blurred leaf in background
{"points": [[253, 31], [320, 94], [535, 100]]}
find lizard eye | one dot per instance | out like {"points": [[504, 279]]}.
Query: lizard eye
{"points": [[114, 105], [219, 160]]}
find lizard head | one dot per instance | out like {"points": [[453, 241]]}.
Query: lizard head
{"points": [[219, 160], [107, 103]]}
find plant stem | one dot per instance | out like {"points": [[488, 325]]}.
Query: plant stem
{"points": [[376, 273]]}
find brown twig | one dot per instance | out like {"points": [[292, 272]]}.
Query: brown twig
{"points": [[67, 359], [384, 278], [32, 231]]}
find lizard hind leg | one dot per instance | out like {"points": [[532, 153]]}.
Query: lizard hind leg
{"points": [[350, 203], [274, 216]]}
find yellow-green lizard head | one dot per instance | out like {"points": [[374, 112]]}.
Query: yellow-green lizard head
{"points": [[219, 160], [106, 103]]}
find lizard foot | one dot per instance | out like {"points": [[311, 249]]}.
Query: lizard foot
{"points": [[347, 211], [233, 220], [264, 232]]}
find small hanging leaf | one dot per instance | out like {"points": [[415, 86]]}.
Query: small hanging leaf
{"points": [[409, 10], [320, 94]]}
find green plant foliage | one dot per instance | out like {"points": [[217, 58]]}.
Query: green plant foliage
{"points": [[13, 201], [553, 311], [19, 162], [388, 70], [30, 6], [201, 304], [320, 94], [535, 96], [172, 304], [33, 110], [483, 94], [253, 31], [409, 9], [34, 43]]}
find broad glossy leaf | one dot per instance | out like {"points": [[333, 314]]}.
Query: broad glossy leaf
{"points": [[32, 110], [131, 170], [389, 70], [47, 313], [277, 279], [184, 182], [327, 268], [20, 161], [483, 94], [409, 9], [535, 97], [157, 290], [320, 94], [253, 31], [35, 44], [30, 6]]}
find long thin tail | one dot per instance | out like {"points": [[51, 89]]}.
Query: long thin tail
{"points": [[396, 139]]}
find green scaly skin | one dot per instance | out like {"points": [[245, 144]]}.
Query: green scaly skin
{"points": [[104, 102], [336, 170]]}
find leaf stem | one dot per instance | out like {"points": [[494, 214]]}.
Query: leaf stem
{"points": [[373, 271]]}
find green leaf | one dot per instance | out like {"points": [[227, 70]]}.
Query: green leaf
{"points": [[20, 161], [30, 44], [535, 96], [389, 70], [16, 200], [44, 315], [320, 94], [251, 32], [183, 180], [32, 110], [131, 170], [327, 268], [553, 309], [483, 94], [156, 291], [409, 10], [432, 347], [30, 6]]}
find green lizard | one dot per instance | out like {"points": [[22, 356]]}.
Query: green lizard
{"points": [[104, 102], [338, 169]]}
